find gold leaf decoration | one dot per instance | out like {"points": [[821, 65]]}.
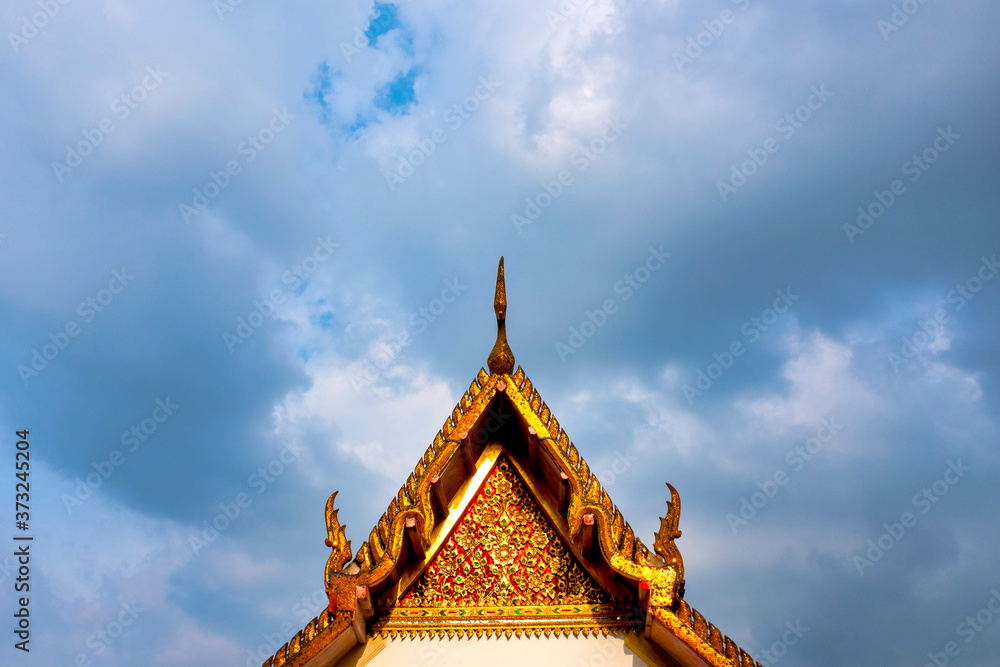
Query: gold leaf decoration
{"points": [[336, 538], [663, 543], [504, 553]]}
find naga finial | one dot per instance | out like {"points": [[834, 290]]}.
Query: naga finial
{"points": [[501, 359], [336, 539], [663, 542]]}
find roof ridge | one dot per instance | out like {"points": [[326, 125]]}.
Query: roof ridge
{"points": [[621, 533], [583, 509], [623, 551]]}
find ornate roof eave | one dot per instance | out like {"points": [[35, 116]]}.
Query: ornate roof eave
{"points": [[404, 530], [377, 558], [411, 514], [694, 640]]}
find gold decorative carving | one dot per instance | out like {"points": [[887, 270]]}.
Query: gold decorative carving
{"points": [[663, 543], [503, 554], [704, 638], [375, 564], [336, 537]]}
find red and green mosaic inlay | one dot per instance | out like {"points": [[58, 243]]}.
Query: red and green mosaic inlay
{"points": [[503, 553]]}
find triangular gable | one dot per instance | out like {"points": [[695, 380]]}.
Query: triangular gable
{"points": [[503, 554], [503, 413], [506, 564]]}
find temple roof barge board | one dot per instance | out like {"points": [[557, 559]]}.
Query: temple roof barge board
{"points": [[503, 529]]}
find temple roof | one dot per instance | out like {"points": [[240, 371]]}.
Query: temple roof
{"points": [[502, 528]]}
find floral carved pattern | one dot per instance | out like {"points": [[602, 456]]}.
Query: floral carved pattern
{"points": [[504, 553]]}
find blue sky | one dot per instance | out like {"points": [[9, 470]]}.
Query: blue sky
{"points": [[247, 256]]}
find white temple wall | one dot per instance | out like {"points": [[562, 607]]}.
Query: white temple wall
{"points": [[562, 651]]}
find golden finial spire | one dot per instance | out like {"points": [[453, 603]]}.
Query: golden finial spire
{"points": [[501, 359]]}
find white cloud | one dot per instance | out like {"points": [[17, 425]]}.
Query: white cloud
{"points": [[373, 423], [192, 645], [117, 552], [821, 382], [239, 569]]}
